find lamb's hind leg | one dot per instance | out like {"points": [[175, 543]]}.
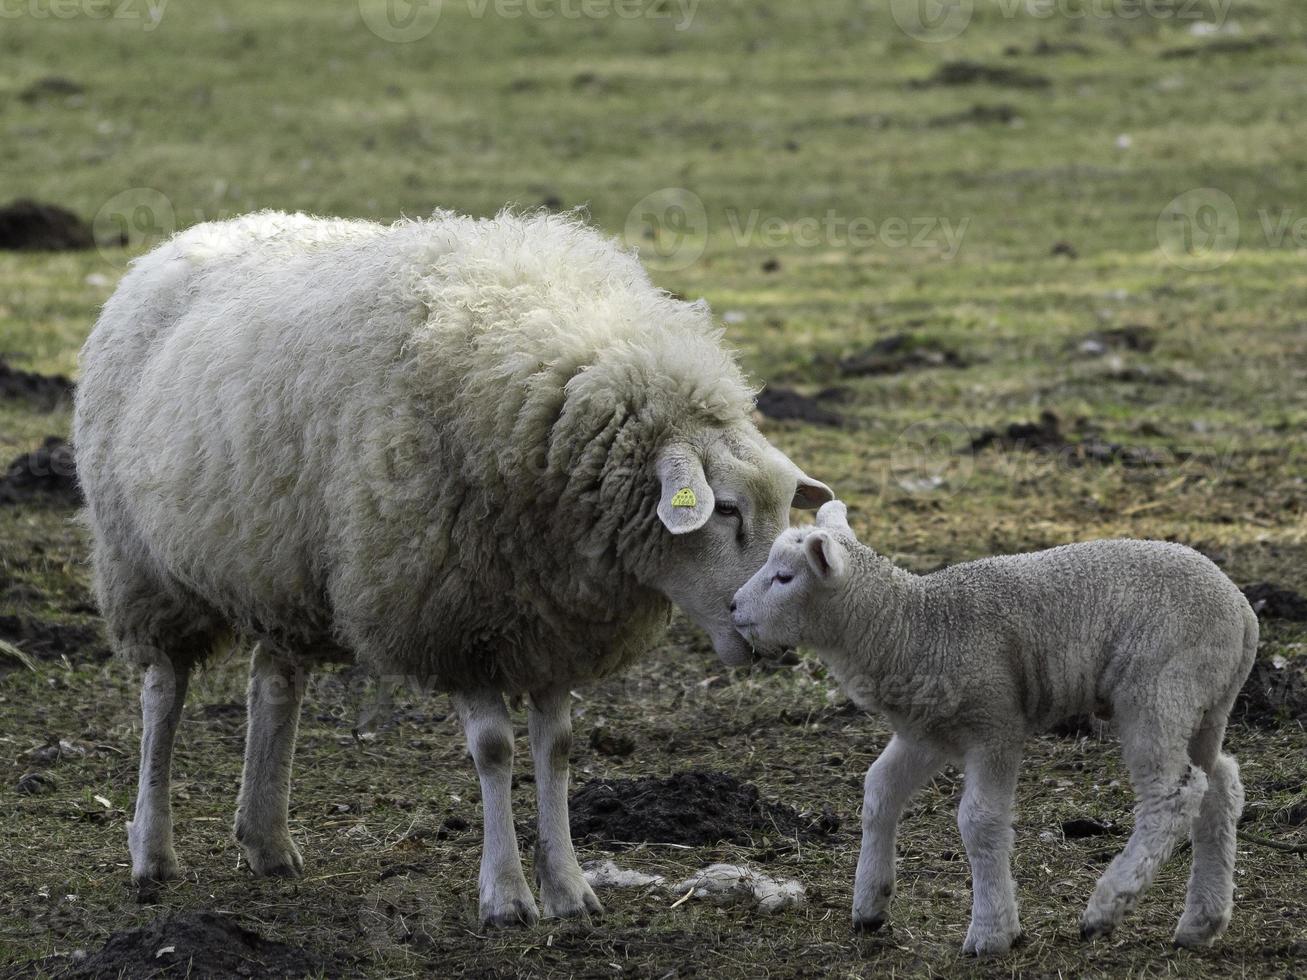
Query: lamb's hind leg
{"points": [[903, 768], [276, 691], [505, 898], [985, 819], [1169, 792], [149, 833], [564, 892], [1210, 897]]}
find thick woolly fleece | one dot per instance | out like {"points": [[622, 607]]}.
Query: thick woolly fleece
{"points": [[969, 660], [488, 454]]}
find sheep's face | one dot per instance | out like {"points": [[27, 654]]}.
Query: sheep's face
{"points": [[724, 499], [781, 605]]}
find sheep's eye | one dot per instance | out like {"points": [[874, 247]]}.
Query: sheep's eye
{"points": [[780, 578], [726, 508]]}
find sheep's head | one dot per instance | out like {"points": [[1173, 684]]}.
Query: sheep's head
{"points": [[781, 605], [724, 497]]}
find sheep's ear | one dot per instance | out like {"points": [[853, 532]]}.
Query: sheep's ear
{"points": [[824, 554], [687, 501], [834, 514], [811, 494]]}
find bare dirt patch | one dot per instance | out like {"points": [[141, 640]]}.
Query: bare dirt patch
{"points": [[188, 944], [898, 353], [689, 808], [46, 476], [30, 226], [975, 72], [786, 404], [44, 392], [1045, 436], [79, 642]]}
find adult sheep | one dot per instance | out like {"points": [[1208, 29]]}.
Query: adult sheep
{"points": [[485, 453]]}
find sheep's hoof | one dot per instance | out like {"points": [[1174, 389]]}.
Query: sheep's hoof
{"points": [[510, 915], [275, 861], [870, 924], [990, 943], [578, 903], [1198, 931], [1090, 930], [156, 868]]}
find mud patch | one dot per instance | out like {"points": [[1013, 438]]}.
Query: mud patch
{"points": [[1275, 692], [1132, 337], [1273, 602], [1045, 436], [898, 353], [47, 476], [45, 392], [188, 944], [54, 641], [51, 87], [978, 115], [1223, 45], [977, 73], [691, 808], [786, 404], [29, 226]]}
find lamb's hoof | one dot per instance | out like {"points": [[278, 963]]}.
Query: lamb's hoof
{"points": [[1091, 929], [578, 902], [868, 924], [156, 868], [509, 915], [1200, 930], [994, 942], [280, 860]]}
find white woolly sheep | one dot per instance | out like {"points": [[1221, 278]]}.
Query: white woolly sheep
{"points": [[487, 454], [968, 661]]}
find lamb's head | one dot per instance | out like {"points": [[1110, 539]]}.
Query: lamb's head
{"points": [[724, 496], [787, 602]]}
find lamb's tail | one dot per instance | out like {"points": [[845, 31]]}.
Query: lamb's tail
{"points": [[1251, 633]]}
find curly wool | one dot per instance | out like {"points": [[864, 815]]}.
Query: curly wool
{"points": [[342, 436]]}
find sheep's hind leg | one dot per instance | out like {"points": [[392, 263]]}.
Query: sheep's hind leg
{"points": [[1209, 900], [276, 691], [149, 833], [985, 819], [902, 769], [1170, 792], [505, 898], [564, 892]]}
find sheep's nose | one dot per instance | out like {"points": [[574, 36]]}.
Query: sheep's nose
{"points": [[733, 605]]}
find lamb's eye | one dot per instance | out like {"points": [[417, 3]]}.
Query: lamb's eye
{"points": [[727, 509], [780, 578]]}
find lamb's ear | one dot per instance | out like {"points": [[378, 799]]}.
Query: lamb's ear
{"points": [[687, 501], [824, 554], [834, 514]]}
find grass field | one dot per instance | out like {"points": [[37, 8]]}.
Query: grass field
{"points": [[1096, 208]]}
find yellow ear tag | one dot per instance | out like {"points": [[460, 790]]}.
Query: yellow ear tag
{"points": [[684, 497]]}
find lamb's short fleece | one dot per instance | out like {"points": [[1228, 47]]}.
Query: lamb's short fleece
{"points": [[488, 454], [968, 661]]}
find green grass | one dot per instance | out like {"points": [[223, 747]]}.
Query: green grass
{"points": [[774, 116]]}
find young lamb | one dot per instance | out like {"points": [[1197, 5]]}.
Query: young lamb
{"points": [[969, 660], [485, 454]]}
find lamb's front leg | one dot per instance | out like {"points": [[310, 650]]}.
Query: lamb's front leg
{"points": [[902, 769], [505, 898], [564, 893], [985, 819]]}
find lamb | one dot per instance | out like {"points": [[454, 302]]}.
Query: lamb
{"points": [[967, 661], [486, 455]]}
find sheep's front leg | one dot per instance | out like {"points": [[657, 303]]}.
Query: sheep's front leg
{"points": [[505, 898], [564, 893], [263, 808], [985, 819], [149, 833], [902, 769]]}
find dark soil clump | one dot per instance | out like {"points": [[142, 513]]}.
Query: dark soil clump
{"points": [[691, 808], [979, 115], [52, 641], [1132, 337], [188, 944], [1275, 692], [1272, 602], [29, 226], [44, 391], [1045, 436], [786, 404], [47, 476], [897, 353], [974, 72]]}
